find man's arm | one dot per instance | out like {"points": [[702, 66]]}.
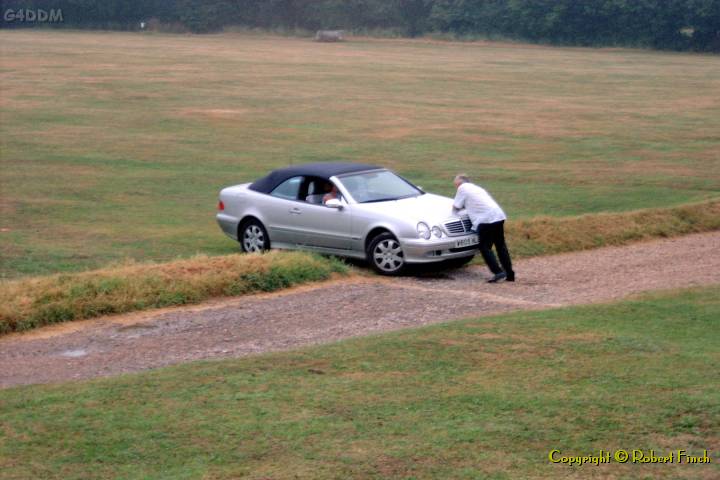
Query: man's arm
{"points": [[459, 202]]}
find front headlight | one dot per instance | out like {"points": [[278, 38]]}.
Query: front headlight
{"points": [[423, 230], [437, 232]]}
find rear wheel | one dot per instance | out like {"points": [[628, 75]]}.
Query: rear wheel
{"points": [[385, 255], [254, 237]]}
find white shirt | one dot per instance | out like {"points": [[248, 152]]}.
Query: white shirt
{"points": [[480, 206]]}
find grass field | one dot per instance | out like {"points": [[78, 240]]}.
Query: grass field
{"points": [[114, 145], [485, 398]]}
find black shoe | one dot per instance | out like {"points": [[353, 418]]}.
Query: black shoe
{"points": [[510, 277], [498, 277]]}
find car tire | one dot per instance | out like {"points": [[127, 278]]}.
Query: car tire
{"points": [[253, 237], [385, 255]]}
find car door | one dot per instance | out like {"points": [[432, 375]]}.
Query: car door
{"points": [[321, 226], [280, 209], [325, 227]]}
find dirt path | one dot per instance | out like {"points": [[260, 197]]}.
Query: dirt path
{"points": [[346, 308]]}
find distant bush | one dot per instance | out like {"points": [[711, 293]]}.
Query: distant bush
{"points": [[664, 24]]}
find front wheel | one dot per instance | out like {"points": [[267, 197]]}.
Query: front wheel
{"points": [[254, 237], [385, 255]]}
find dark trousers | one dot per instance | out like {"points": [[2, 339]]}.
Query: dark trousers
{"points": [[494, 234]]}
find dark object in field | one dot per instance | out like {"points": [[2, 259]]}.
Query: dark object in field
{"points": [[330, 36]]}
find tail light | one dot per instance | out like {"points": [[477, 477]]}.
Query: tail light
{"points": [[221, 205]]}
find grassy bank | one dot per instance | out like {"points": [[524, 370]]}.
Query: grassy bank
{"points": [[114, 145], [33, 302], [547, 235], [486, 398], [39, 301]]}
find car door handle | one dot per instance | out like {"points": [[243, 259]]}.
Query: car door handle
{"points": [[295, 210]]}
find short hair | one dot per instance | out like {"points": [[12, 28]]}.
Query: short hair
{"points": [[462, 177]]}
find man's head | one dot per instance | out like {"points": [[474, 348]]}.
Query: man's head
{"points": [[461, 178]]}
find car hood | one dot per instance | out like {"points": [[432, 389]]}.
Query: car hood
{"points": [[430, 208]]}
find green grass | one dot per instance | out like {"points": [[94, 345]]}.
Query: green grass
{"points": [[484, 398], [114, 145]]}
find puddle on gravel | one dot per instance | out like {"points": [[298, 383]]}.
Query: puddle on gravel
{"points": [[136, 326], [74, 353]]}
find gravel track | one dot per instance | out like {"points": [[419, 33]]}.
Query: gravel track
{"points": [[360, 305]]}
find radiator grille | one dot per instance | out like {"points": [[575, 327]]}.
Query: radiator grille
{"points": [[458, 227]]}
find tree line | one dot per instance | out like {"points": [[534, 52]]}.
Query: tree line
{"points": [[662, 24]]}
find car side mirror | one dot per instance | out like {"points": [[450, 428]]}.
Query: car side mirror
{"points": [[334, 203]]}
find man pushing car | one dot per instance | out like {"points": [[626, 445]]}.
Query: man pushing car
{"points": [[488, 220]]}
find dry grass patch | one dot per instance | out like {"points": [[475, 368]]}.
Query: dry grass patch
{"points": [[33, 302], [545, 235]]}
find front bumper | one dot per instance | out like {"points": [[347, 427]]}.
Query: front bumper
{"points": [[437, 249]]}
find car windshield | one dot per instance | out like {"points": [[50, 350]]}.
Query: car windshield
{"points": [[378, 186]]}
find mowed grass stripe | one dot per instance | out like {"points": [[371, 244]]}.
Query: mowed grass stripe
{"points": [[115, 145], [36, 301], [485, 398]]}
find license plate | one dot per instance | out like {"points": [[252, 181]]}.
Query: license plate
{"points": [[466, 242]]}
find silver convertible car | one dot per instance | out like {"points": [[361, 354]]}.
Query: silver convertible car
{"points": [[350, 210]]}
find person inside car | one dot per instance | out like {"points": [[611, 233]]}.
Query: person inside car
{"points": [[331, 193]]}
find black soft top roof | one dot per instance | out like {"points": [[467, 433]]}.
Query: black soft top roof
{"points": [[324, 170]]}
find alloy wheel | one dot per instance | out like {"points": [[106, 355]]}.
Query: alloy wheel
{"points": [[388, 255], [254, 239]]}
